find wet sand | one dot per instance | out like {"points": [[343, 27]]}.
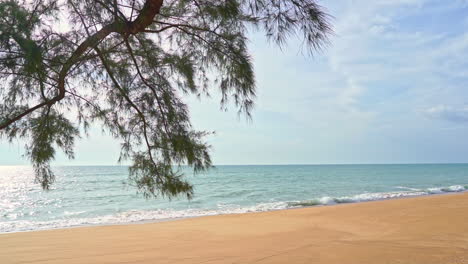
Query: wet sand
{"points": [[422, 230]]}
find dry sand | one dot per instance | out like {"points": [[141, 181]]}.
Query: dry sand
{"points": [[423, 230]]}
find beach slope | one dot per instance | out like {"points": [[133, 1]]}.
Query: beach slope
{"points": [[423, 230]]}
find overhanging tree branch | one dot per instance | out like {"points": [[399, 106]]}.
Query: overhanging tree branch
{"points": [[144, 19], [135, 89]]}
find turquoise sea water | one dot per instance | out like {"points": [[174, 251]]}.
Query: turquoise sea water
{"points": [[98, 195]]}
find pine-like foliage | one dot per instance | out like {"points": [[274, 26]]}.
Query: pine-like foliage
{"points": [[128, 64]]}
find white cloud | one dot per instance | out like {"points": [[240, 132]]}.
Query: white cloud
{"points": [[449, 113], [372, 87]]}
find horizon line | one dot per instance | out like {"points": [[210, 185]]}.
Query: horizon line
{"points": [[259, 164]]}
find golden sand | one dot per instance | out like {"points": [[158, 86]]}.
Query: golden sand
{"points": [[423, 230]]}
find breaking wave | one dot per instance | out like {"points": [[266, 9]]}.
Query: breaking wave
{"points": [[135, 216], [364, 197]]}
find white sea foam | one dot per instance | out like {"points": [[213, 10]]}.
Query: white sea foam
{"points": [[160, 214], [364, 197], [134, 216]]}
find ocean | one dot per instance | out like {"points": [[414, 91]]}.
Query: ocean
{"points": [[96, 195]]}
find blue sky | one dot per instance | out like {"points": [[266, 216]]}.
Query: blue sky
{"points": [[392, 88]]}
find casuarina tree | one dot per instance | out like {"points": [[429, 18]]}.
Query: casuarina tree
{"points": [[127, 64]]}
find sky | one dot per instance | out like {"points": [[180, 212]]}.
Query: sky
{"points": [[391, 88]]}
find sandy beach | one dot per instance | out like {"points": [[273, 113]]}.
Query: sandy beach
{"points": [[423, 230]]}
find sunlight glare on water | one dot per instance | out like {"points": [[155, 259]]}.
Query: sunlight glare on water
{"points": [[97, 194]]}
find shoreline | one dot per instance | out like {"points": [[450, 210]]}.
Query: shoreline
{"points": [[152, 221], [425, 229]]}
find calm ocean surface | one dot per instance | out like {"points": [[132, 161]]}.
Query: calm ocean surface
{"points": [[98, 195]]}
